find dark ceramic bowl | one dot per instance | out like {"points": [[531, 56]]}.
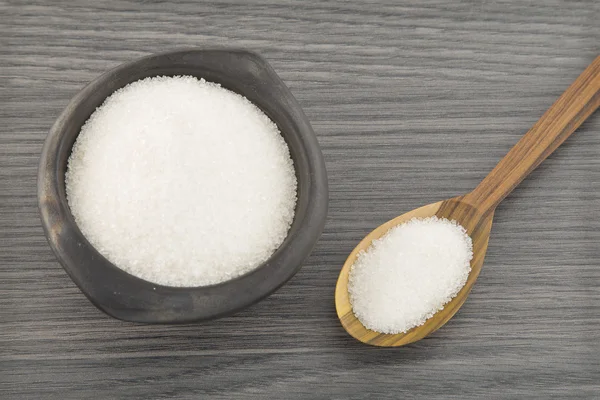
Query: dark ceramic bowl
{"points": [[127, 297]]}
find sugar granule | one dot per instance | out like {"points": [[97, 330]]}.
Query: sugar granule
{"points": [[181, 182], [409, 274]]}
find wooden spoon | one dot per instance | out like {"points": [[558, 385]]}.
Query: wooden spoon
{"points": [[475, 210]]}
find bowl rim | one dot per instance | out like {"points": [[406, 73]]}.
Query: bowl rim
{"points": [[127, 297]]}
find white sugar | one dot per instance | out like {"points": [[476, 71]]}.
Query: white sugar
{"points": [[181, 182], [409, 274]]}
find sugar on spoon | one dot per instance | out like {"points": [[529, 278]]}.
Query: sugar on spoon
{"points": [[475, 210]]}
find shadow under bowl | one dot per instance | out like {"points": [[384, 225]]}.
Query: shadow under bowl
{"points": [[129, 298]]}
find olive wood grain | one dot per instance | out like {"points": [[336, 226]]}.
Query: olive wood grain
{"points": [[475, 210]]}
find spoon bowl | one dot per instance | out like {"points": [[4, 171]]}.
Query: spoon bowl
{"points": [[478, 226], [475, 210]]}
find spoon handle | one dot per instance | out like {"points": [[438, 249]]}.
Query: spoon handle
{"points": [[577, 103]]}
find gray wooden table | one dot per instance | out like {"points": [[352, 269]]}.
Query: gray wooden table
{"points": [[412, 103]]}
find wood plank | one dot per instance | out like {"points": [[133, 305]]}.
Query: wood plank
{"points": [[413, 102]]}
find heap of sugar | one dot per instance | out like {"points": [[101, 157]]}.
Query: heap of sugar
{"points": [[408, 275], [181, 182]]}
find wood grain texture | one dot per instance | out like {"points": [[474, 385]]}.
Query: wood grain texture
{"points": [[412, 102], [569, 111]]}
